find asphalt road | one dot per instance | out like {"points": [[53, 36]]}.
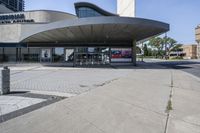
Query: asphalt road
{"points": [[192, 67]]}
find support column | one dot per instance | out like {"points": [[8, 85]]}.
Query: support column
{"points": [[134, 53], [28, 56], [110, 56], [17, 55], [3, 54], [74, 61], [52, 53], [20, 54]]}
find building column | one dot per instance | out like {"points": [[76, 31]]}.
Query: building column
{"points": [[20, 54], [110, 55], [134, 56], [52, 53], [28, 55], [74, 61], [3, 54], [17, 55]]}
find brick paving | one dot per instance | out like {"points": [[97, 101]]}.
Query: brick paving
{"points": [[58, 79]]}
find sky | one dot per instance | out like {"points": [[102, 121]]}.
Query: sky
{"points": [[182, 15]]}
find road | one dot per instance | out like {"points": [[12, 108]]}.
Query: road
{"points": [[189, 66]]}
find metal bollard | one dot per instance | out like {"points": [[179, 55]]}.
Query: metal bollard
{"points": [[5, 81]]}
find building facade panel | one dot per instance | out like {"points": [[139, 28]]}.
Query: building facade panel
{"points": [[10, 33]]}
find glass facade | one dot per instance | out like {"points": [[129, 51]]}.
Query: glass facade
{"points": [[91, 56], [14, 5], [73, 56], [79, 56], [84, 12]]}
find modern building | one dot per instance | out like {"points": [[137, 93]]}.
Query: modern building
{"points": [[197, 34], [91, 37], [9, 6]]}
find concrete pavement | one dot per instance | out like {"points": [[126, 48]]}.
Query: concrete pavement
{"points": [[135, 102], [185, 117]]}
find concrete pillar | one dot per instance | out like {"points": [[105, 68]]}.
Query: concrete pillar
{"points": [[74, 61], [5, 81], [134, 56], [110, 55], [17, 55], [3, 54]]}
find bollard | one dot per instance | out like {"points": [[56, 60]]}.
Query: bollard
{"points": [[5, 81]]}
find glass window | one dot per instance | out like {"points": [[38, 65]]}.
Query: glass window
{"points": [[87, 12]]}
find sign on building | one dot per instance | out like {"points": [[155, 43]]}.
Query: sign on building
{"points": [[14, 18]]}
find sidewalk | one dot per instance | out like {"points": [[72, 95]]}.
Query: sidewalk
{"points": [[134, 103]]}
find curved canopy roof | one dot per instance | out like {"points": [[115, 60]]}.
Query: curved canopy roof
{"points": [[101, 30]]}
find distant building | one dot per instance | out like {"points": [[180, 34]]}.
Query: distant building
{"points": [[190, 51], [9, 6], [126, 8], [197, 34]]}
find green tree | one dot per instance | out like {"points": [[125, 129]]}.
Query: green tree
{"points": [[158, 44], [161, 47], [171, 45]]}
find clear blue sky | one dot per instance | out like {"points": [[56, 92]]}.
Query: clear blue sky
{"points": [[182, 15]]}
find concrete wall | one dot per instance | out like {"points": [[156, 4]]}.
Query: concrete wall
{"points": [[45, 16], [126, 8], [11, 33]]}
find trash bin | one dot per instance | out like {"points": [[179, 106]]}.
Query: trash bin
{"points": [[5, 81]]}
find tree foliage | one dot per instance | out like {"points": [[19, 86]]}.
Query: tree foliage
{"points": [[163, 46]]}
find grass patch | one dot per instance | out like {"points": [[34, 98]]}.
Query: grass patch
{"points": [[169, 106]]}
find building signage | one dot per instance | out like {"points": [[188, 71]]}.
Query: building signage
{"points": [[14, 18]]}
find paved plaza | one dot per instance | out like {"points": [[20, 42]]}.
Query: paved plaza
{"points": [[60, 79], [109, 100]]}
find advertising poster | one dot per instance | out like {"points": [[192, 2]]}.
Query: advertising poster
{"points": [[46, 53], [121, 55], [69, 54]]}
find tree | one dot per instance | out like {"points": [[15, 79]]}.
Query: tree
{"points": [[158, 44], [163, 46], [171, 45]]}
